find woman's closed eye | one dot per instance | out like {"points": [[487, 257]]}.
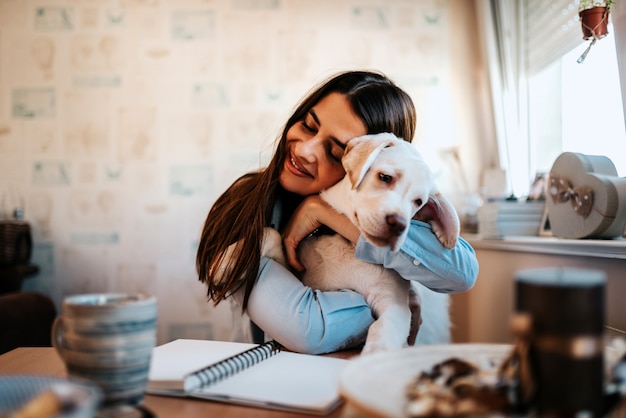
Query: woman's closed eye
{"points": [[308, 127], [334, 152]]}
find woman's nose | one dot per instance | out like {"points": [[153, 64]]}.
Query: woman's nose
{"points": [[309, 149]]}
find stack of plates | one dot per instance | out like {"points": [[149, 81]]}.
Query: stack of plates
{"points": [[510, 218]]}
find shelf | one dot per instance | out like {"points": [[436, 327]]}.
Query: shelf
{"points": [[609, 248]]}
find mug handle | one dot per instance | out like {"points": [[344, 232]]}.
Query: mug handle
{"points": [[57, 335]]}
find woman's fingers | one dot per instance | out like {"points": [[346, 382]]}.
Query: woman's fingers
{"points": [[303, 222], [415, 304], [292, 255]]}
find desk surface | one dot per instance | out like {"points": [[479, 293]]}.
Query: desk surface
{"points": [[45, 361]]}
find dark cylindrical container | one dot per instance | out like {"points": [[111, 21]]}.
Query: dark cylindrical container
{"points": [[566, 347]]}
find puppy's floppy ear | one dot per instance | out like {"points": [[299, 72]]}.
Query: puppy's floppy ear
{"points": [[442, 216], [361, 153]]}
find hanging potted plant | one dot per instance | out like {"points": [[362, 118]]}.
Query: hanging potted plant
{"points": [[594, 17]]}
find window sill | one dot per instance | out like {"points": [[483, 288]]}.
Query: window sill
{"points": [[610, 248]]}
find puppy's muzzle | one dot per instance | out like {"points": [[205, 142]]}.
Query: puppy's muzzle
{"points": [[395, 224], [396, 227]]}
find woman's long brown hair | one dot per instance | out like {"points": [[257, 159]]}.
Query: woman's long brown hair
{"points": [[244, 209]]}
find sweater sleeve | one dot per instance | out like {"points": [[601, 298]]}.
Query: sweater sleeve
{"points": [[422, 258], [302, 319]]}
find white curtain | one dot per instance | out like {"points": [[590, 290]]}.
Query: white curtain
{"points": [[499, 21]]}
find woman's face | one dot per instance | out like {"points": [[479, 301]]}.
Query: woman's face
{"points": [[317, 143]]}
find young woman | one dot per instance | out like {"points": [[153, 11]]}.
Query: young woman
{"points": [[284, 196]]}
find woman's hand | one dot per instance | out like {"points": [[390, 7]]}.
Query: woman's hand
{"points": [[312, 213], [415, 305], [304, 220]]}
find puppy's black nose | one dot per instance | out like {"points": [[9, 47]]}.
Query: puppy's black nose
{"points": [[396, 224]]}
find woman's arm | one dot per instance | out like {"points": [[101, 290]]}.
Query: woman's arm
{"points": [[424, 259], [302, 319], [312, 213]]}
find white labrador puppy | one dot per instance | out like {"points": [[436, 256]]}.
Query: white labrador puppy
{"points": [[386, 184]]}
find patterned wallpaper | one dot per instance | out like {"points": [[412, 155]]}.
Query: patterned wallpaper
{"points": [[121, 121]]}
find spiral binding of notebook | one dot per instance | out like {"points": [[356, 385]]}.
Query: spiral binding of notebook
{"points": [[236, 363]]}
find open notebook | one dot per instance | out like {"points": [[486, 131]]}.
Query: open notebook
{"points": [[246, 374]]}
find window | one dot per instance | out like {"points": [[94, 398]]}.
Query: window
{"points": [[545, 102], [577, 107]]}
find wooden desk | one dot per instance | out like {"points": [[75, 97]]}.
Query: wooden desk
{"points": [[45, 361]]}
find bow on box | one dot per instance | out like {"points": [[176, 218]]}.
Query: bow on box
{"points": [[581, 197], [596, 196]]}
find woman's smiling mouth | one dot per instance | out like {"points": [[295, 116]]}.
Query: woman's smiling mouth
{"points": [[296, 169]]}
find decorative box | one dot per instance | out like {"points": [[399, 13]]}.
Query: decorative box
{"points": [[586, 198]]}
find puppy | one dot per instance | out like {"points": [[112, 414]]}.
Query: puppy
{"points": [[387, 183]]}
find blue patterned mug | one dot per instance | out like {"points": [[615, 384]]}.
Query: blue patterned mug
{"points": [[108, 338]]}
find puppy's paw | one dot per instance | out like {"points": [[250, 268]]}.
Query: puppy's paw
{"points": [[383, 336], [376, 346], [273, 246]]}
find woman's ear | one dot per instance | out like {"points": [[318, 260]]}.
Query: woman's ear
{"points": [[442, 216], [361, 152]]}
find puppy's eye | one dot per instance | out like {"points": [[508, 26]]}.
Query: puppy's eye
{"points": [[418, 202], [385, 178]]}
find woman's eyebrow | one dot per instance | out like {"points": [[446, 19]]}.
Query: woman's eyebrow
{"points": [[332, 138], [314, 116]]}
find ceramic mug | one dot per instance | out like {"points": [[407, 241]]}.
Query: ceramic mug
{"points": [[108, 338]]}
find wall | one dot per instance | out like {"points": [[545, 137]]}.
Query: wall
{"points": [[121, 121], [483, 314]]}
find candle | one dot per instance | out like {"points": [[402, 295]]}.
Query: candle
{"points": [[566, 310]]}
